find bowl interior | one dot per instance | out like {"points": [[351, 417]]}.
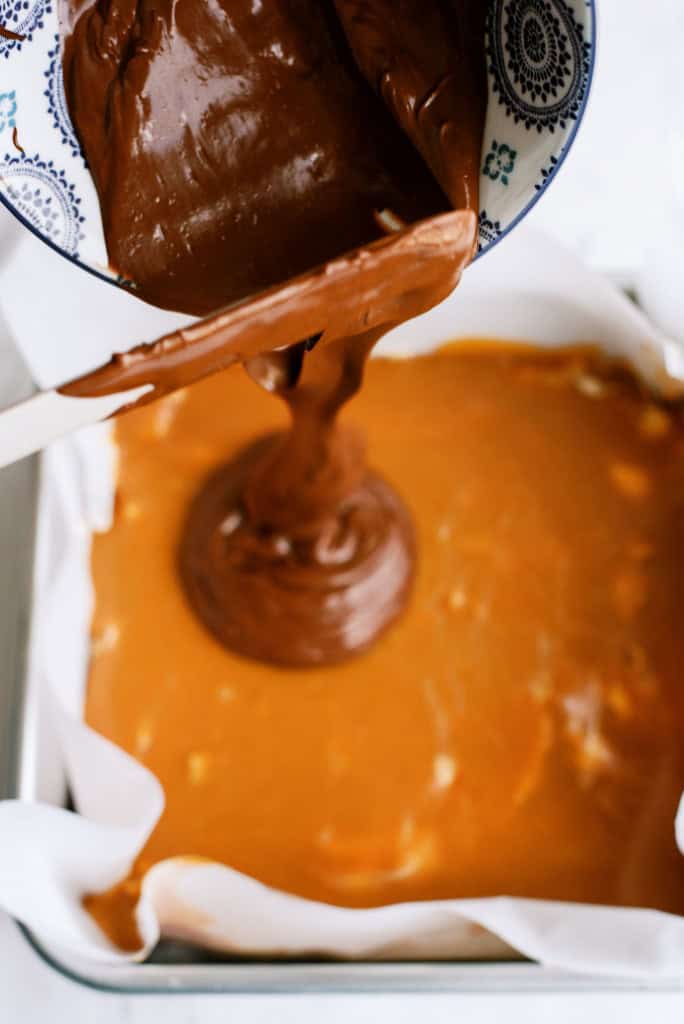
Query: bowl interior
{"points": [[540, 57]]}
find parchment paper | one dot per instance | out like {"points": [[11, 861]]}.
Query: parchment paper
{"points": [[528, 289]]}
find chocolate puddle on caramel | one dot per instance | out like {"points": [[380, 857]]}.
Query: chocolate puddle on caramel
{"points": [[294, 552]]}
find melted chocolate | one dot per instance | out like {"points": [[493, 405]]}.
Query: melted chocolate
{"points": [[6, 33], [294, 553], [425, 61], [15, 141], [233, 145], [237, 145], [300, 596]]}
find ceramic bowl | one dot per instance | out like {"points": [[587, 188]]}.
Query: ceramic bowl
{"points": [[540, 59]]}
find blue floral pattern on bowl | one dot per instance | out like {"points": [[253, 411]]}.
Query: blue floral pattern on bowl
{"points": [[539, 55], [540, 61], [46, 199], [500, 162], [490, 230], [8, 110], [22, 18], [56, 101]]}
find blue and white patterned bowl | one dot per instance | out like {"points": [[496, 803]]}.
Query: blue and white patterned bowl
{"points": [[540, 59]]}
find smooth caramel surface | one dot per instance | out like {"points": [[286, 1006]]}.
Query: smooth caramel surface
{"points": [[518, 732]]}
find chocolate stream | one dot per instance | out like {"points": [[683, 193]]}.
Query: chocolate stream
{"points": [[237, 145]]}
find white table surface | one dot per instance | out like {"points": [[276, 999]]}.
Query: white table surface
{"points": [[612, 200], [31, 993]]}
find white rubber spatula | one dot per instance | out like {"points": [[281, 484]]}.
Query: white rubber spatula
{"points": [[29, 426]]}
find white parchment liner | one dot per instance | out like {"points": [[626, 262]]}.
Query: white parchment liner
{"points": [[528, 289]]}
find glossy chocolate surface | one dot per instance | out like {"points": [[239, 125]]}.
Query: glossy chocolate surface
{"points": [[236, 146]]}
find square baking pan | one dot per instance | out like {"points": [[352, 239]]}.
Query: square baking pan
{"points": [[31, 769]]}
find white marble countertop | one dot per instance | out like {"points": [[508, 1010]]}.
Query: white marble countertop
{"points": [[613, 198]]}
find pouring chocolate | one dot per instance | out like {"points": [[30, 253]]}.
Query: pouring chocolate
{"points": [[237, 146]]}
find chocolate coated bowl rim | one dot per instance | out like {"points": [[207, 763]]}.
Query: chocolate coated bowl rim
{"points": [[540, 190]]}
